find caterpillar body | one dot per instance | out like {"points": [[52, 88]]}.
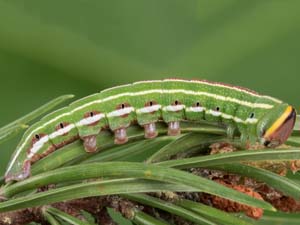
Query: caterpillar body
{"points": [[257, 117]]}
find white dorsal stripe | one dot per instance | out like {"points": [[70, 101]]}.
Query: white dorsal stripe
{"points": [[146, 82], [116, 87], [149, 109], [120, 112], [140, 93], [173, 108], [90, 120], [173, 91], [225, 86]]}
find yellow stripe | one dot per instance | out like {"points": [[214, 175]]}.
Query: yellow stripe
{"points": [[279, 121]]}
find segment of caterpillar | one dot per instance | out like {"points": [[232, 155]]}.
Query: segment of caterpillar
{"points": [[257, 117]]}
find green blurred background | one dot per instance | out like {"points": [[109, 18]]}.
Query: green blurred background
{"points": [[50, 48]]}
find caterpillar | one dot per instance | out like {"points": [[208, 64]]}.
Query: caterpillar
{"points": [[257, 117]]}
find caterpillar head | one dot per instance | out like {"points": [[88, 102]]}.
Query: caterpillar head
{"points": [[276, 126]]}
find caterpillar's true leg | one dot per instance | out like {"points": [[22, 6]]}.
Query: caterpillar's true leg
{"points": [[120, 136], [252, 140], [90, 143], [174, 128], [150, 130], [244, 141]]}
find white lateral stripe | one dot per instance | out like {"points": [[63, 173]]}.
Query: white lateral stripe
{"points": [[62, 131], [120, 112], [173, 108], [195, 109], [214, 113], [29, 156], [226, 116], [149, 109], [225, 86], [140, 93], [236, 119], [251, 120], [90, 120], [38, 145]]}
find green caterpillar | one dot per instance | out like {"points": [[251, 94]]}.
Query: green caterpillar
{"points": [[257, 117]]}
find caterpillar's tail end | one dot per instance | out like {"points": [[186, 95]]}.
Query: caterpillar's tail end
{"points": [[281, 129], [19, 176]]}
